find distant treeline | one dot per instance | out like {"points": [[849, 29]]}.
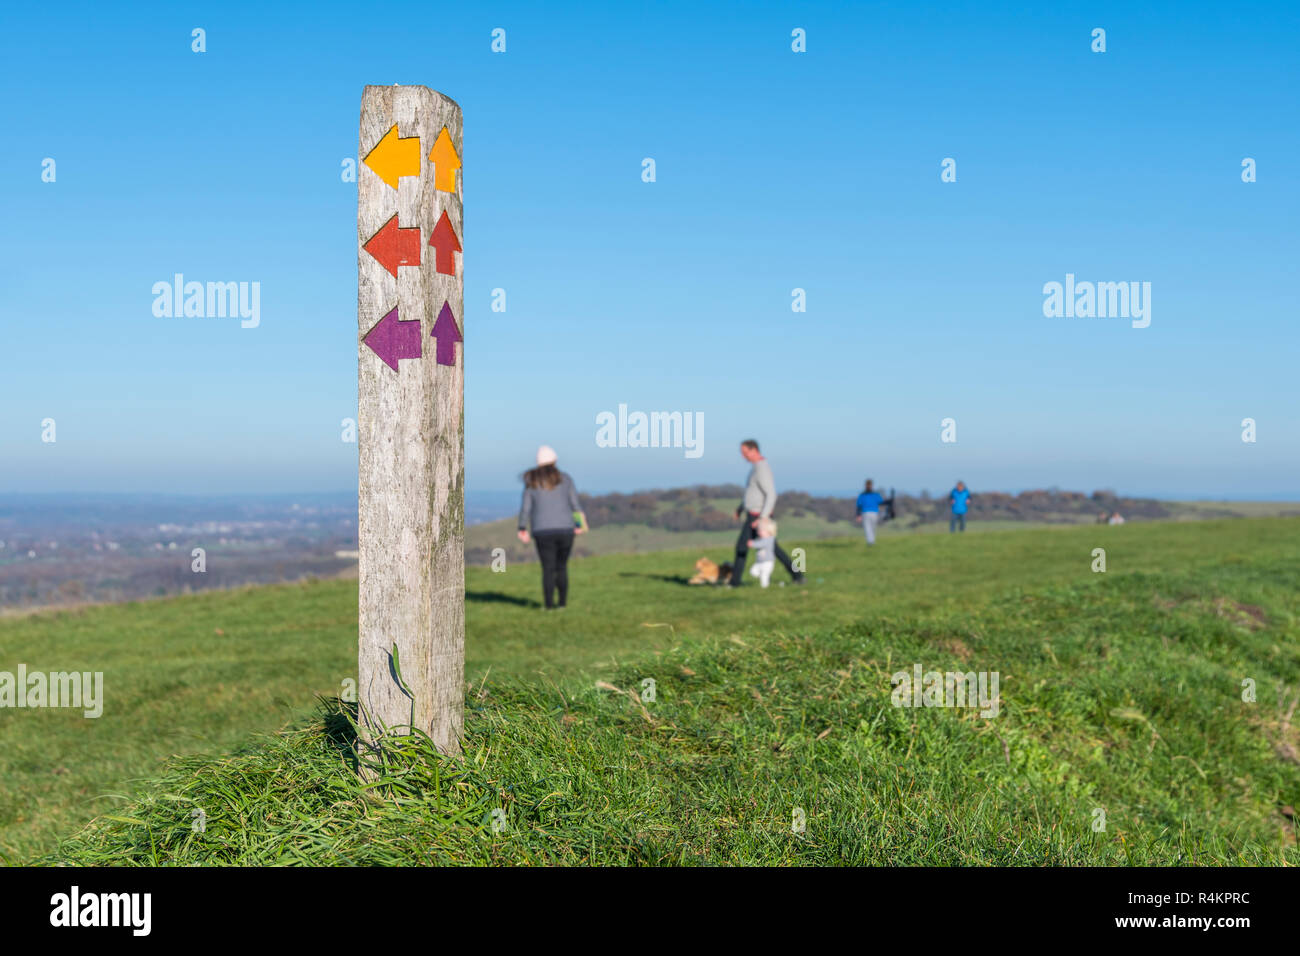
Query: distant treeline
{"points": [[694, 509], [677, 509]]}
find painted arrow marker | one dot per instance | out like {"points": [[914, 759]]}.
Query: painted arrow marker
{"points": [[392, 339], [446, 162], [393, 246], [447, 332], [445, 245], [394, 157]]}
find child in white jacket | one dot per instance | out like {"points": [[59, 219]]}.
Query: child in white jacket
{"points": [[764, 551]]}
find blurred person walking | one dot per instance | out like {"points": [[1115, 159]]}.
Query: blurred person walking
{"points": [[759, 500], [869, 511], [550, 509], [959, 498]]}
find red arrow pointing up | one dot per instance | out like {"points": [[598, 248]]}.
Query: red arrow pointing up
{"points": [[393, 246], [445, 245]]}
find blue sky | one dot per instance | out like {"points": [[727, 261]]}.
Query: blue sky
{"points": [[775, 170]]}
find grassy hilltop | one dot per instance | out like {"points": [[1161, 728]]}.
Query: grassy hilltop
{"points": [[1120, 692]]}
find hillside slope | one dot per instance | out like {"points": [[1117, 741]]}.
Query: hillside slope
{"points": [[1120, 690]]}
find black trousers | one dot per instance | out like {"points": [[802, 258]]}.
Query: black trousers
{"points": [[553, 548], [747, 531]]}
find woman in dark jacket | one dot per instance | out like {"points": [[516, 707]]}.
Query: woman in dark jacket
{"points": [[551, 510]]}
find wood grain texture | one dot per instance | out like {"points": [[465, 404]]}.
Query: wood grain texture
{"points": [[411, 528]]}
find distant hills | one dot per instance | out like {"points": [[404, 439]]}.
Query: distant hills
{"points": [[704, 516]]}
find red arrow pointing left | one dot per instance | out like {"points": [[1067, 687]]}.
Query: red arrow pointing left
{"points": [[393, 246]]}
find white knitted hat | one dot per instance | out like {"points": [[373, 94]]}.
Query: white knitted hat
{"points": [[545, 456]]}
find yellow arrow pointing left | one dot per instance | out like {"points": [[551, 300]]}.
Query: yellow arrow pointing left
{"points": [[393, 157]]}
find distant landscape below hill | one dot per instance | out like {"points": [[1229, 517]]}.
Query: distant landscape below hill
{"points": [[60, 549]]}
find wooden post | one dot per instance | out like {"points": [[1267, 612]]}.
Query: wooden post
{"points": [[411, 396]]}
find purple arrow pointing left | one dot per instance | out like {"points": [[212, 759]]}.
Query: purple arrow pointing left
{"points": [[392, 339]]}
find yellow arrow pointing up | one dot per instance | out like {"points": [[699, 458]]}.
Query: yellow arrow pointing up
{"points": [[446, 162], [393, 157]]}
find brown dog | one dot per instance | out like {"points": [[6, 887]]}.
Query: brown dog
{"points": [[706, 572]]}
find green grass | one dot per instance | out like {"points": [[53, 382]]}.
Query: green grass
{"points": [[1120, 691], [641, 538]]}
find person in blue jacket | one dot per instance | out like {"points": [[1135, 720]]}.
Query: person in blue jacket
{"points": [[869, 511], [959, 498]]}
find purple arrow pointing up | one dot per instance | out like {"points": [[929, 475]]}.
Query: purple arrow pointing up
{"points": [[392, 339], [447, 332]]}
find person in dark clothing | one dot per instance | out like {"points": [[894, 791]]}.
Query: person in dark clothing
{"points": [[550, 509], [887, 512], [759, 500]]}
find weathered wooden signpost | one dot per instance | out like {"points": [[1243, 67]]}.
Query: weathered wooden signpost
{"points": [[411, 391]]}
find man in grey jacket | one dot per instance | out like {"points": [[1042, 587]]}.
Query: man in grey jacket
{"points": [[759, 501]]}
